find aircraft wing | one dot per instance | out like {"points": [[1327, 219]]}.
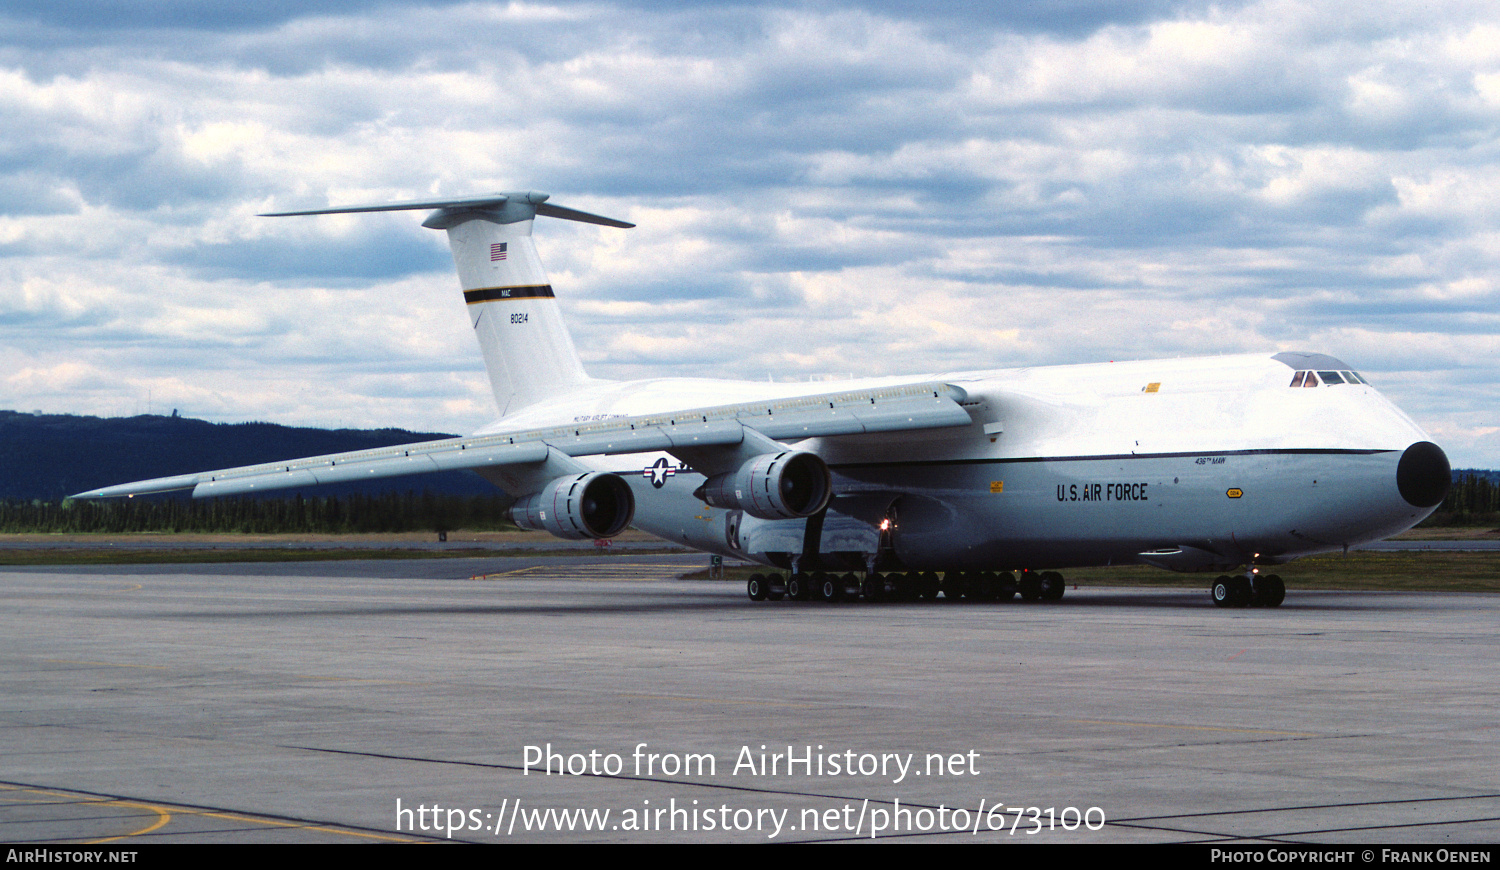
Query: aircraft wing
{"points": [[884, 409]]}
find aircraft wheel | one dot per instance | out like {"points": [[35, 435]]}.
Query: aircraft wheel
{"points": [[899, 588], [874, 587], [955, 585], [1223, 592], [911, 586], [1053, 586], [986, 586], [850, 584], [830, 588], [1007, 586], [1244, 593], [929, 586], [797, 587], [918, 585], [1030, 586], [756, 586], [775, 587], [1274, 590]]}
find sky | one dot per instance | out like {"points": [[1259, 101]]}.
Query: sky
{"points": [[821, 189]]}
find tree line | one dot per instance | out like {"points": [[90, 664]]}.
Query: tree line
{"points": [[334, 514], [1473, 500]]}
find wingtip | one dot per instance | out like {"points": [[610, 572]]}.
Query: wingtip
{"points": [[142, 487]]}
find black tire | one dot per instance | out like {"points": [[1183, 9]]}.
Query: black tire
{"points": [[986, 586], [1275, 590], [1007, 586], [1223, 592], [850, 585], [798, 587], [930, 585], [911, 586], [1030, 586], [775, 587], [1244, 593], [1053, 586], [830, 588], [898, 588], [873, 588], [756, 587], [955, 585]]}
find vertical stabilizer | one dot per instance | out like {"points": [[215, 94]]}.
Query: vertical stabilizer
{"points": [[526, 345], [527, 349]]}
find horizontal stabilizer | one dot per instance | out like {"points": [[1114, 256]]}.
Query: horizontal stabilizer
{"points": [[573, 214], [537, 202], [883, 409]]}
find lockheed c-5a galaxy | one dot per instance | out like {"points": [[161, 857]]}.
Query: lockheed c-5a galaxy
{"points": [[970, 484]]}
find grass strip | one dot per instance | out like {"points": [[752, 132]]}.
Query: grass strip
{"points": [[189, 556]]}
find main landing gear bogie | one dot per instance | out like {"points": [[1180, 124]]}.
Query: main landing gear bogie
{"points": [[974, 586], [1266, 590], [1260, 590]]}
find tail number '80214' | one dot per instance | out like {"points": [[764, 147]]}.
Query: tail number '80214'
{"points": [[518, 316]]}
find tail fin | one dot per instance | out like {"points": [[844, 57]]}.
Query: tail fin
{"points": [[527, 349]]}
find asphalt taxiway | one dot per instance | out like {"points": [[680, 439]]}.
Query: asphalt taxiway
{"points": [[396, 700]]}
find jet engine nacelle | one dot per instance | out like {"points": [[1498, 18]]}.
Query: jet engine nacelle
{"points": [[772, 486], [593, 505]]}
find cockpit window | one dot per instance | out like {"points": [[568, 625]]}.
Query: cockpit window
{"points": [[1310, 379]]}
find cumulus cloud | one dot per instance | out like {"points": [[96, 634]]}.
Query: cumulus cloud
{"points": [[820, 189]]}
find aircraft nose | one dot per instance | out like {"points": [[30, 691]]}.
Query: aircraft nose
{"points": [[1423, 475]]}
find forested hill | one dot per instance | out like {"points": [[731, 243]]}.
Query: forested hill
{"points": [[49, 456]]}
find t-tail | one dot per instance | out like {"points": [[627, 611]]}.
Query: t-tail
{"points": [[527, 348]]}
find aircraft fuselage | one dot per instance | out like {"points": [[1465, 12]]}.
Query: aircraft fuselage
{"points": [[1189, 464]]}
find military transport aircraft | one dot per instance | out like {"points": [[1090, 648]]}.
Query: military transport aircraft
{"points": [[970, 485]]}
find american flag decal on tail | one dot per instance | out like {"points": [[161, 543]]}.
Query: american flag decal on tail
{"points": [[497, 251]]}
